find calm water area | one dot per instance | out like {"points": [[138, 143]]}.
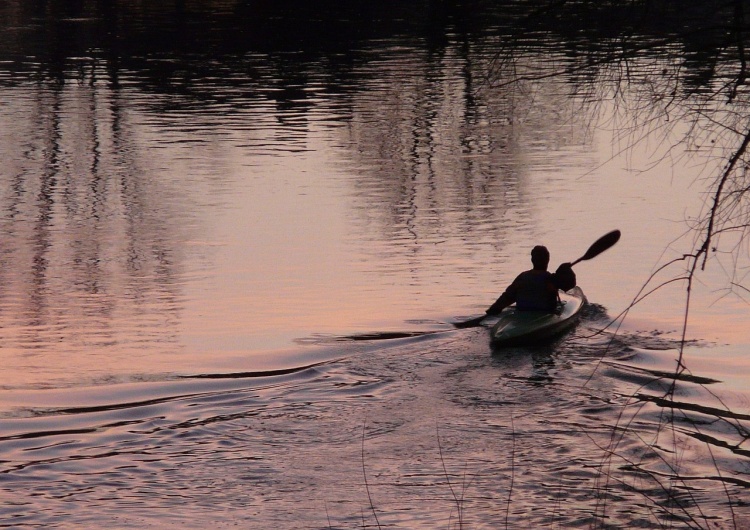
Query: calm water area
{"points": [[204, 213]]}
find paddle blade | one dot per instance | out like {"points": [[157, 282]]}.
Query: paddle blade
{"points": [[474, 322], [600, 245]]}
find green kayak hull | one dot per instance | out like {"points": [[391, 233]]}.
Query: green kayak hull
{"points": [[530, 327]]}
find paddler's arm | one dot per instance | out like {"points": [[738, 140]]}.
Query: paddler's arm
{"points": [[506, 299]]}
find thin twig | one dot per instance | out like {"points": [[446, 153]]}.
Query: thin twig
{"points": [[512, 469], [458, 502], [364, 474]]}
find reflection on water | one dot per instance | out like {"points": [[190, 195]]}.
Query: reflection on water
{"points": [[167, 212], [183, 204], [171, 207], [451, 166], [93, 241]]}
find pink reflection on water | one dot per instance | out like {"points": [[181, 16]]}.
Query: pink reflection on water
{"points": [[142, 242]]}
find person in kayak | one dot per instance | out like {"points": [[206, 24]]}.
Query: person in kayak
{"points": [[536, 289]]}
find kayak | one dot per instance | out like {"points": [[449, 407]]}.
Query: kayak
{"points": [[528, 327]]}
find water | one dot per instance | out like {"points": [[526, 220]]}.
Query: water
{"points": [[425, 426], [191, 229]]}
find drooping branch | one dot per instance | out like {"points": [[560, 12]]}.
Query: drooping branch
{"points": [[718, 198]]}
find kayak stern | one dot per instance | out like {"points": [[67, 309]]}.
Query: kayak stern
{"points": [[530, 327]]}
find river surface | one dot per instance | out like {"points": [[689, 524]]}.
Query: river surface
{"points": [[203, 254]]}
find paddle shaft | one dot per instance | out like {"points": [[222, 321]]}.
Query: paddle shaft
{"points": [[600, 245]]}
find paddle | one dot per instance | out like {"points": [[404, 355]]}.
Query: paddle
{"points": [[600, 245]]}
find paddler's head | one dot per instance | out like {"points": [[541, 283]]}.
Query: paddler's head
{"points": [[540, 257]]}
